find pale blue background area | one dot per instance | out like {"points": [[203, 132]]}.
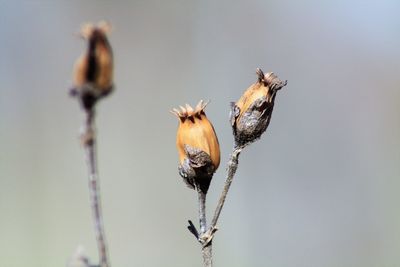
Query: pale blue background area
{"points": [[321, 188]]}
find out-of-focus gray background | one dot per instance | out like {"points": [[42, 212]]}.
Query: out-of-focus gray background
{"points": [[321, 188]]}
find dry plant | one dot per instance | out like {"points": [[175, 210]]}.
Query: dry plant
{"points": [[93, 79], [199, 153], [197, 142]]}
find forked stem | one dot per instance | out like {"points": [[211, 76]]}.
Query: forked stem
{"points": [[206, 236]]}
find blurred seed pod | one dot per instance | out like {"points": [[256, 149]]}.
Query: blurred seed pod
{"points": [[198, 147], [93, 70], [251, 114]]}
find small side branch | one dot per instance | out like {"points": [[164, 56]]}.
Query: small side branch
{"points": [[89, 143], [193, 229]]}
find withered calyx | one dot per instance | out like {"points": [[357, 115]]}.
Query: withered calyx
{"points": [[251, 114]]}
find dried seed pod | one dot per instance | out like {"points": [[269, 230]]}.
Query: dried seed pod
{"points": [[93, 71], [251, 114], [197, 145]]}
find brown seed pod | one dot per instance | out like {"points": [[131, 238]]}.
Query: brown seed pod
{"points": [[251, 114], [198, 147], [93, 71]]}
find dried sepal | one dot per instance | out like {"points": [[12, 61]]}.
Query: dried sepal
{"points": [[251, 114], [86, 30], [197, 168], [188, 111], [105, 26]]}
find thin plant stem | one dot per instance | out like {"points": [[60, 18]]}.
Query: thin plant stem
{"points": [[89, 141], [202, 211], [206, 250], [207, 245], [232, 166]]}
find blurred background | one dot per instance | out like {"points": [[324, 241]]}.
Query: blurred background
{"points": [[321, 188]]}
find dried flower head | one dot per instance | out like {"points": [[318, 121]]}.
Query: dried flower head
{"points": [[251, 114], [197, 145], [93, 71]]}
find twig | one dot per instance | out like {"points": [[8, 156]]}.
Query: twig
{"points": [[207, 236], [202, 211], [193, 229], [207, 249], [232, 166], [249, 118], [89, 142]]}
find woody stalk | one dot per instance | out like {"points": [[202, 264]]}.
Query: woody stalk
{"points": [[93, 80]]}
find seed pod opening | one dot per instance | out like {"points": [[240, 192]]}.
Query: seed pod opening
{"points": [[198, 147], [93, 70], [251, 114]]}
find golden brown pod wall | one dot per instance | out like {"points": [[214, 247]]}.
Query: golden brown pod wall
{"points": [[198, 147]]}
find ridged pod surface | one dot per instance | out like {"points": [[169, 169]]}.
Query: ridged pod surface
{"points": [[197, 144]]}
